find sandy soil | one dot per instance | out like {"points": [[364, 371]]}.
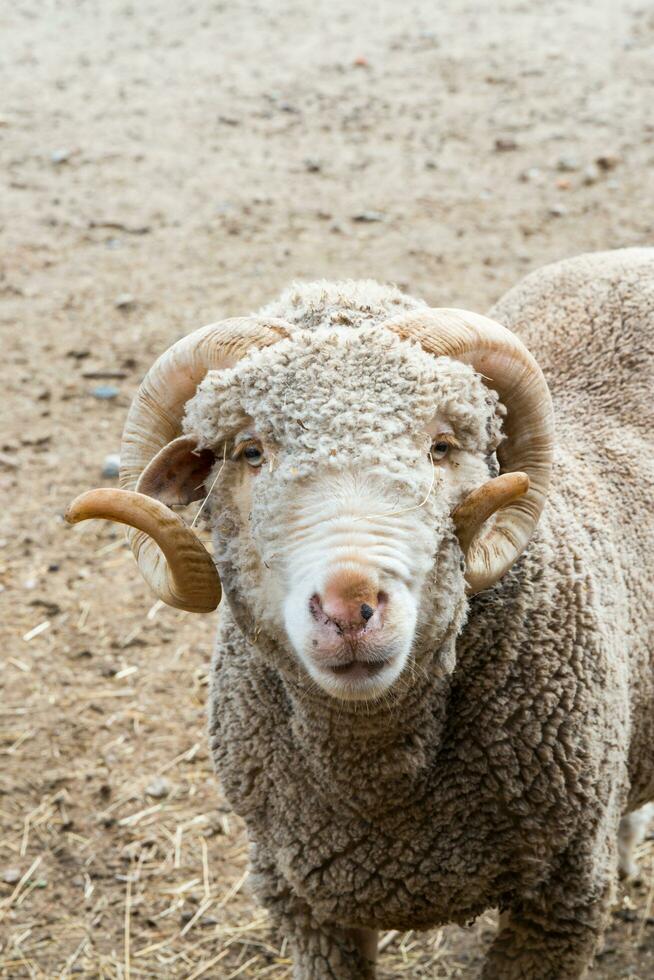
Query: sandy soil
{"points": [[167, 164]]}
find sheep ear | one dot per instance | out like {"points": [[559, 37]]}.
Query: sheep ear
{"points": [[177, 474]]}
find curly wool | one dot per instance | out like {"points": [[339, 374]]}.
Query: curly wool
{"points": [[499, 780], [370, 387], [351, 303]]}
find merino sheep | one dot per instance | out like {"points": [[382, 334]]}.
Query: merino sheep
{"points": [[431, 694]]}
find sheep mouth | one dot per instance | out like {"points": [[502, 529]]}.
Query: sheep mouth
{"points": [[355, 670], [361, 676]]}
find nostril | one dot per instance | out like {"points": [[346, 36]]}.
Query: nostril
{"points": [[315, 606], [367, 612]]}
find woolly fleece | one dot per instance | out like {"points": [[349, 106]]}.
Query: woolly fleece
{"points": [[498, 775]]}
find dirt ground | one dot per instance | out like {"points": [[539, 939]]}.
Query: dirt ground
{"points": [[167, 164]]}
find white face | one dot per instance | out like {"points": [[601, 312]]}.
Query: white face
{"points": [[345, 456], [346, 575]]}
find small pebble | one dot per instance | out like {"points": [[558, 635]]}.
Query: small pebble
{"points": [[11, 875], [364, 217], [591, 174], [111, 466], [158, 788], [7, 463], [51, 608], [60, 156], [558, 210], [567, 165], [531, 175], [105, 392], [503, 144], [125, 302], [312, 166], [608, 161]]}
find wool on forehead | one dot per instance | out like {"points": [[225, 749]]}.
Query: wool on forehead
{"points": [[331, 388], [348, 303]]}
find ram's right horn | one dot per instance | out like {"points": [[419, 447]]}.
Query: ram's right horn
{"points": [[181, 570], [172, 559]]}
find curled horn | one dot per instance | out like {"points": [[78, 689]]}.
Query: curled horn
{"points": [[172, 559], [518, 495]]}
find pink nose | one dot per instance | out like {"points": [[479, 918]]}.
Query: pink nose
{"points": [[349, 599]]}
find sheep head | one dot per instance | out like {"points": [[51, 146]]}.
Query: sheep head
{"points": [[350, 484]]}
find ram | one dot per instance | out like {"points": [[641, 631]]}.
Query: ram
{"points": [[433, 689]]}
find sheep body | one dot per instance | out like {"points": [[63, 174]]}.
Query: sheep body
{"points": [[500, 778]]}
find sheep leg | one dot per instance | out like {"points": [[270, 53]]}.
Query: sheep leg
{"points": [[320, 950], [633, 829], [366, 942], [323, 952], [536, 943]]}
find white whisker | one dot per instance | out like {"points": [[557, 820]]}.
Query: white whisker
{"points": [[201, 507]]}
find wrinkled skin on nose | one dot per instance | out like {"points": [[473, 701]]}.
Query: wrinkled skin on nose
{"points": [[337, 553], [355, 571]]}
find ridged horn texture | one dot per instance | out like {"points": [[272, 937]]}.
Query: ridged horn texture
{"points": [[182, 573], [172, 560], [154, 420], [505, 365], [473, 512]]}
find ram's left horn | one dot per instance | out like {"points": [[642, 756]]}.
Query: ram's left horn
{"points": [[505, 365], [473, 512]]}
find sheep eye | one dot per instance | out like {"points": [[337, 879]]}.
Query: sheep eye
{"points": [[253, 455], [251, 451], [439, 449]]}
